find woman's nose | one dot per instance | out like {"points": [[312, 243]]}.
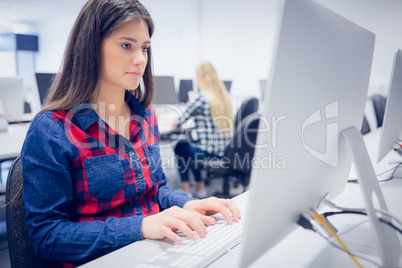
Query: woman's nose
{"points": [[139, 58]]}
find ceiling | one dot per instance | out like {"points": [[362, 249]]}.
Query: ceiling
{"points": [[13, 11]]}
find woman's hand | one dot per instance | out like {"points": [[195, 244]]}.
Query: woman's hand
{"points": [[164, 224], [213, 205]]}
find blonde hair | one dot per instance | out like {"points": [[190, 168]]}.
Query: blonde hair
{"points": [[218, 97]]}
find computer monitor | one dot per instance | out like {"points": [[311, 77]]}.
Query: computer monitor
{"points": [[185, 86], [165, 92], [44, 81], [263, 84], [391, 131], [317, 89], [12, 97], [228, 84]]}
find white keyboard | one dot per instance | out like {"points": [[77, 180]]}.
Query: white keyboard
{"points": [[221, 238]]}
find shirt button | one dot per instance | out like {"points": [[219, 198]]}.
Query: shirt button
{"points": [[131, 153], [137, 197], [139, 176]]}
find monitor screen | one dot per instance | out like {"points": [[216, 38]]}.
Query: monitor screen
{"points": [[391, 131], [165, 92], [185, 86], [44, 81], [228, 84], [12, 97], [317, 89]]}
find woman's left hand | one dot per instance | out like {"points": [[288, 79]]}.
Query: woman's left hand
{"points": [[213, 205]]}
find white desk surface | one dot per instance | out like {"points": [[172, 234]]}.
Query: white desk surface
{"points": [[11, 141], [301, 248]]}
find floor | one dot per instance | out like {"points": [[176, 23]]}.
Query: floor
{"points": [[173, 181]]}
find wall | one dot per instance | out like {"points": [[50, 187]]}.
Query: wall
{"points": [[382, 18], [52, 42], [236, 35], [174, 43]]}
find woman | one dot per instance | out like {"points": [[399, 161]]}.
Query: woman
{"points": [[212, 113], [92, 174]]}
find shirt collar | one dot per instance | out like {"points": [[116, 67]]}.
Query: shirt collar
{"points": [[86, 116]]}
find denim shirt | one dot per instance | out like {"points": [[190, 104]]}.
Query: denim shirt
{"points": [[87, 188]]}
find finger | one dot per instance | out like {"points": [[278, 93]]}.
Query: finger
{"points": [[185, 229], [215, 205], [234, 209], [194, 221], [208, 220], [219, 206], [167, 232], [191, 218]]}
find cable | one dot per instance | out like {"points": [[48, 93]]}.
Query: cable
{"points": [[356, 255], [327, 214], [353, 227], [305, 223], [12, 118], [393, 173], [322, 221], [399, 164], [332, 205]]}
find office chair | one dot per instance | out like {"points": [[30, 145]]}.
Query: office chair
{"points": [[237, 158], [20, 248], [379, 104], [365, 126], [247, 107]]}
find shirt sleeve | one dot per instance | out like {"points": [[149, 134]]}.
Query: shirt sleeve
{"points": [[192, 109], [49, 196], [168, 198]]}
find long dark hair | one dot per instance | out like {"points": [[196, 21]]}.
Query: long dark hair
{"points": [[81, 64]]}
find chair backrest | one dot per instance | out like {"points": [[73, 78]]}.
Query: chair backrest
{"points": [[379, 103], [247, 107], [240, 150], [20, 248]]}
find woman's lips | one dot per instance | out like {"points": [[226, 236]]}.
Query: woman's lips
{"points": [[135, 74]]}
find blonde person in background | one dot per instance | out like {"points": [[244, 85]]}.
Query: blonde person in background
{"points": [[212, 114]]}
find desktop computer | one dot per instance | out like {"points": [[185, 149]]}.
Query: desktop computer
{"points": [[12, 98], [391, 132], [314, 105]]}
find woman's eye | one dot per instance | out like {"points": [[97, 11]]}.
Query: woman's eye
{"points": [[145, 49], [126, 46]]}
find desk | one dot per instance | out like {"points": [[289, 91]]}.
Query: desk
{"points": [[291, 251], [11, 143], [302, 248]]}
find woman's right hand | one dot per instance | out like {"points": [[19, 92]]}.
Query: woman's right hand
{"points": [[165, 223]]}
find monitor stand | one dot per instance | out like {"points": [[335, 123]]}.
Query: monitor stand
{"points": [[387, 240]]}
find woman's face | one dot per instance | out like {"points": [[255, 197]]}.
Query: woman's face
{"points": [[124, 56]]}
